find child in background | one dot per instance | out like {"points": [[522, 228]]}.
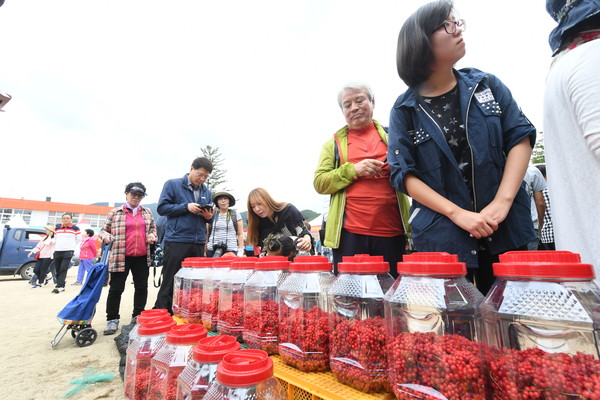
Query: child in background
{"points": [[280, 245], [86, 255]]}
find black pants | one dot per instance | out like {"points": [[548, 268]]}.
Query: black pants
{"points": [[41, 268], [174, 254], [483, 276], [140, 272], [61, 264], [391, 248]]}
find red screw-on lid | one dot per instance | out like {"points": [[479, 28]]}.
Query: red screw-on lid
{"points": [[311, 264], [543, 264], [272, 263], [244, 368], [431, 264], [212, 349], [155, 327], [363, 264], [186, 263], [186, 334], [154, 314], [221, 262], [198, 262], [244, 263]]}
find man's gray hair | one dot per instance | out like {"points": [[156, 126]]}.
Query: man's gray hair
{"points": [[358, 87]]}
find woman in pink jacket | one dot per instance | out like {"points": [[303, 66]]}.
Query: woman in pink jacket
{"points": [[46, 249], [87, 253]]}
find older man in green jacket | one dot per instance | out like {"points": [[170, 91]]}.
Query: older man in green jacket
{"points": [[366, 215]]}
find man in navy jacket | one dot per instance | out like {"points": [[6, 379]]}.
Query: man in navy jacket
{"points": [[187, 205]]}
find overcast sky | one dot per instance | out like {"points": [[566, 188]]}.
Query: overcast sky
{"points": [[109, 92]]}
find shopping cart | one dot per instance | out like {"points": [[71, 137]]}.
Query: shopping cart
{"points": [[78, 313]]}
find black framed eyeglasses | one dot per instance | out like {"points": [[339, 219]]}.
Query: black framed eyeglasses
{"points": [[450, 26]]}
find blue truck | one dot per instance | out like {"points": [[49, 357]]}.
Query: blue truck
{"points": [[15, 244]]}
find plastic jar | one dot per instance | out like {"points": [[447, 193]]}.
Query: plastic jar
{"points": [[210, 292], [303, 317], [356, 321], [245, 375], [192, 288], [433, 324], [261, 313], [201, 370], [151, 337], [171, 359], [541, 322], [146, 316], [230, 320], [186, 268]]}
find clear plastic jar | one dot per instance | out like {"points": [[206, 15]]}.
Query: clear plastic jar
{"points": [[151, 337], [261, 312], [146, 316], [303, 317], [186, 268], [192, 287], [245, 375], [433, 326], [231, 297], [171, 359], [201, 370], [356, 321], [542, 317], [210, 292]]}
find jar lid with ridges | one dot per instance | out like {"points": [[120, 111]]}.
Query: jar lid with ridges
{"points": [[431, 264], [543, 265], [244, 368], [212, 349]]}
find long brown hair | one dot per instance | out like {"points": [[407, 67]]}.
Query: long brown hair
{"points": [[259, 196]]}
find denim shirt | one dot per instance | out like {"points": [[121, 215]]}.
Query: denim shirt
{"points": [[568, 13], [493, 124]]}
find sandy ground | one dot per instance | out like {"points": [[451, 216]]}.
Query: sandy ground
{"points": [[31, 367]]}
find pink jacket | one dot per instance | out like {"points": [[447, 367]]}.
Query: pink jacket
{"points": [[88, 249], [45, 248]]}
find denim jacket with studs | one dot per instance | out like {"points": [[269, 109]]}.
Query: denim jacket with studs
{"points": [[494, 124]]}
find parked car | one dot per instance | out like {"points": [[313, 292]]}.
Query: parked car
{"points": [[15, 244]]}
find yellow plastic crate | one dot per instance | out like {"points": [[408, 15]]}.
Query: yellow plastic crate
{"points": [[318, 385]]}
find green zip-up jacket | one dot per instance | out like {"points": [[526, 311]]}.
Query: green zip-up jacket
{"points": [[331, 180]]}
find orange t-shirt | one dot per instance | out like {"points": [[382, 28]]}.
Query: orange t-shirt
{"points": [[371, 203]]}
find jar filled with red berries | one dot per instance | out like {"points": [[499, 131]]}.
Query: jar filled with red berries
{"points": [[151, 337], [542, 320], [261, 311], [201, 370], [146, 316], [186, 268], [303, 317], [356, 321], [210, 292], [231, 297], [192, 285], [433, 328], [245, 375], [171, 359]]}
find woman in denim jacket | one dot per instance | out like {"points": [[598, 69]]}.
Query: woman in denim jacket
{"points": [[459, 146]]}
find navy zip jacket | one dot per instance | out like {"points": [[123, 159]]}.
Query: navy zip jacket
{"points": [[494, 124], [181, 225]]}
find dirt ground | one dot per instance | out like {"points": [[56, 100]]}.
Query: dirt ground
{"points": [[31, 367]]}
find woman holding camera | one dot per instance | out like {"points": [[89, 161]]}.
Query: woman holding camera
{"points": [[266, 216], [225, 230]]}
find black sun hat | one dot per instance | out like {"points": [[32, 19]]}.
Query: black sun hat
{"points": [[223, 194]]}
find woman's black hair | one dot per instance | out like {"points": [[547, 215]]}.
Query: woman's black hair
{"points": [[414, 55], [90, 232], [132, 184]]}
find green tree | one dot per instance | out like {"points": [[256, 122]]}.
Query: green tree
{"points": [[537, 155], [217, 181]]}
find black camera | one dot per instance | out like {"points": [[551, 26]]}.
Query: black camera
{"points": [[219, 249]]}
